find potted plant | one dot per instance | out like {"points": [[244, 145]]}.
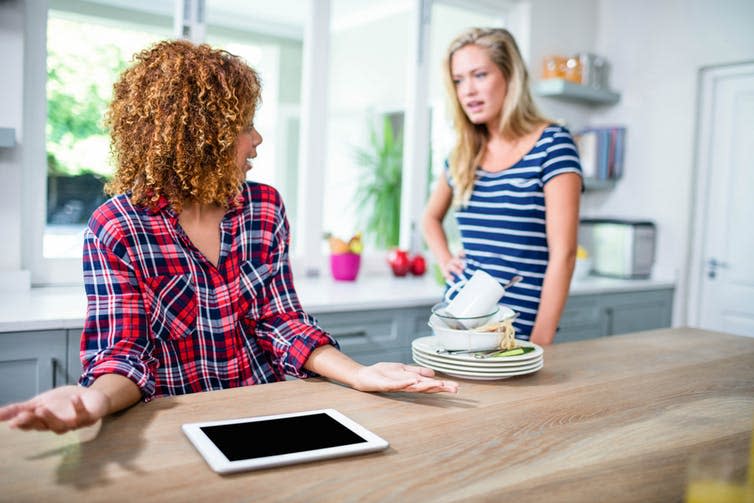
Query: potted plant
{"points": [[378, 195]]}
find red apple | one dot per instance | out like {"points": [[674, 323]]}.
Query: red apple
{"points": [[418, 265], [399, 263]]}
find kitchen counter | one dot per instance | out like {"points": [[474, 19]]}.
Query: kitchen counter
{"points": [[65, 307], [610, 419]]}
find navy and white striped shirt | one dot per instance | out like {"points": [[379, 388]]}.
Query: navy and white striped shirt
{"points": [[503, 227]]}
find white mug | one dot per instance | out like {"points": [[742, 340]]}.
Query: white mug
{"points": [[479, 296]]}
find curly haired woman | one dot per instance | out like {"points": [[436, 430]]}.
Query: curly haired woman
{"points": [[186, 268]]}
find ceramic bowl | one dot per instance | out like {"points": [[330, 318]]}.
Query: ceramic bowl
{"points": [[461, 322], [469, 340]]}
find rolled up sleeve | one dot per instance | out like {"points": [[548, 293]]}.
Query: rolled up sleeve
{"points": [[115, 337], [284, 328]]}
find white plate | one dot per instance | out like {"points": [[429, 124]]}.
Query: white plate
{"points": [[430, 345], [476, 370], [481, 376], [479, 364]]}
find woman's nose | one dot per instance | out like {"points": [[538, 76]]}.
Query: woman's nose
{"points": [[257, 138], [467, 88]]}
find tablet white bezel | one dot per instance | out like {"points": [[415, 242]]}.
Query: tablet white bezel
{"points": [[221, 464]]}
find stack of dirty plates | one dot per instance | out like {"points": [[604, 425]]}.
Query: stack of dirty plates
{"points": [[428, 352]]}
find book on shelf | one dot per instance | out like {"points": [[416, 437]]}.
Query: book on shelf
{"points": [[601, 151]]}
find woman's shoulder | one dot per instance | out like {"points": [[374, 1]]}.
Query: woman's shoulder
{"points": [[256, 193], [114, 211], [554, 131], [262, 201]]}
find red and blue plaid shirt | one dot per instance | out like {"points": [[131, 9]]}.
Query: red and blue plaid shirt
{"points": [[160, 314]]}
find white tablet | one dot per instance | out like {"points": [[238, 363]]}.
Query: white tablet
{"points": [[260, 442]]}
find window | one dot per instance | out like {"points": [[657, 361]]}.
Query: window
{"points": [[367, 97], [85, 55], [379, 73]]}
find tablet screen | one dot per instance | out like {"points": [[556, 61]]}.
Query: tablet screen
{"points": [[285, 435]]}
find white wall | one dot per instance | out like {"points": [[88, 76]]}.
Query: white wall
{"points": [[656, 49], [562, 28], [11, 115]]}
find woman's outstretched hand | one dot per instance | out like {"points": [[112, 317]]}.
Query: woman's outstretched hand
{"points": [[387, 377], [60, 410]]}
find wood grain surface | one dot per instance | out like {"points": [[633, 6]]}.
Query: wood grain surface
{"points": [[613, 419]]}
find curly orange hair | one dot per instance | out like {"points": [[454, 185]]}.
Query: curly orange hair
{"points": [[174, 119]]}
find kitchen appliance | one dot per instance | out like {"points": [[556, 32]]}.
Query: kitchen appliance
{"points": [[619, 248]]}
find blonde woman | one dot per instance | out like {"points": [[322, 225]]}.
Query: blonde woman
{"points": [[186, 267], [514, 181]]}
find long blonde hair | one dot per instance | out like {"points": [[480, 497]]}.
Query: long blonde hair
{"points": [[519, 117]]}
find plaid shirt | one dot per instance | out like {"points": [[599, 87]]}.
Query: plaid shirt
{"points": [[160, 314]]}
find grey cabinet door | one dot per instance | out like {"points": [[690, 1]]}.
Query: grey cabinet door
{"points": [[377, 335], [637, 311], [582, 318], [74, 360], [598, 315], [30, 363]]}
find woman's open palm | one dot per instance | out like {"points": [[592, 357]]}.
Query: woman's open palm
{"points": [[59, 410]]}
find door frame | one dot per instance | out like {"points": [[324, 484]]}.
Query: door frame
{"points": [[707, 80]]}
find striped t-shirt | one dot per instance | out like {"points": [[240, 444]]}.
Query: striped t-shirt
{"points": [[503, 227]]}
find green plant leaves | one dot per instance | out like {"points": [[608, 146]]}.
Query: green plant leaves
{"points": [[378, 196]]}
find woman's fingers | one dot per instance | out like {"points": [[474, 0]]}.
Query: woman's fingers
{"points": [[26, 420], [423, 371], [11, 411], [51, 421]]}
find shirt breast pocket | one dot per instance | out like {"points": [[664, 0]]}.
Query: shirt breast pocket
{"points": [[172, 306], [252, 281]]}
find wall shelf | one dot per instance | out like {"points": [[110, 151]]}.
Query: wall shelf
{"points": [[568, 91], [7, 137]]}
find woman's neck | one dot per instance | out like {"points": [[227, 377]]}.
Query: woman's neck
{"points": [[197, 213]]}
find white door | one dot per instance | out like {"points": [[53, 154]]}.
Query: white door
{"points": [[722, 282]]}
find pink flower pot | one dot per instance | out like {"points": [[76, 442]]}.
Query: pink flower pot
{"points": [[345, 266]]}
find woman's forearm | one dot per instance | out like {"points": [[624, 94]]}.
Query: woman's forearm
{"points": [[328, 362], [555, 289], [436, 239], [120, 391]]}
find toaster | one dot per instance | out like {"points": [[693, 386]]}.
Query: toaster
{"points": [[619, 248]]}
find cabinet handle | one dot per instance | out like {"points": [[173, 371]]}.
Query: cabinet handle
{"points": [[609, 314], [54, 365], [353, 334]]}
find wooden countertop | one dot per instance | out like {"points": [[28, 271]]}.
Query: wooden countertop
{"points": [[612, 419]]}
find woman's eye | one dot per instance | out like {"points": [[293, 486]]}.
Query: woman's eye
{"points": [[480, 75], [456, 82]]}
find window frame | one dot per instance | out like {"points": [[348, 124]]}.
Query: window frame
{"points": [[306, 254]]}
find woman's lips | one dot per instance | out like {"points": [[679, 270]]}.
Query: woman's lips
{"points": [[474, 106]]}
